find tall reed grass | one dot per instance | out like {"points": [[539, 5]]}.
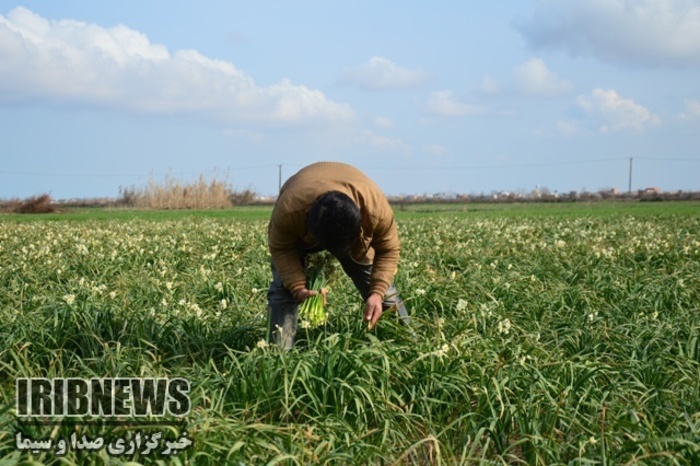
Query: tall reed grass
{"points": [[212, 192]]}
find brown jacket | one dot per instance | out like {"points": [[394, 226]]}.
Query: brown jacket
{"points": [[288, 236]]}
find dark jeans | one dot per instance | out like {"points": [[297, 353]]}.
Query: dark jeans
{"points": [[283, 309]]}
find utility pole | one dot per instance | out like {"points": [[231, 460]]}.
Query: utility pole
{"points": [[279, 178], [629, 185]]}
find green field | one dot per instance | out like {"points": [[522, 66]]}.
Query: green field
{"points": [[541, 334]]}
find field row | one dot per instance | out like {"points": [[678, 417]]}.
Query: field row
{"points": [[534, 340]]}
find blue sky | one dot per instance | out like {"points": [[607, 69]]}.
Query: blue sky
{"points": [[425, 97]]}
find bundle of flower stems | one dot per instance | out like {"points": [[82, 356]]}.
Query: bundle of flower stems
{"points": [[312, 311]]}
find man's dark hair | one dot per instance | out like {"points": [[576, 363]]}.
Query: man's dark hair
{"points": [[334, 220]]}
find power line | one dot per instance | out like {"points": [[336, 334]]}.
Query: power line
{"points": [[491, 167], [672, 159], [128, 175]]}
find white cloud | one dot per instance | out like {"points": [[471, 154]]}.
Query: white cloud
{"points": [[649, 32], [445, 103], [75, 62], [490, 86], [616, 113], [383, 122], [692, 109], [567, 128], [380, 73], [534, 78], [381, 141]]}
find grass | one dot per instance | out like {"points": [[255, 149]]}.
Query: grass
{"points": [[566, 209], [414, 211], [126, 214], [539, 336]]}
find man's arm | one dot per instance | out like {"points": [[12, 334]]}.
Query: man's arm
{"points": [[387, 248], [283, 243], [386, 245]]}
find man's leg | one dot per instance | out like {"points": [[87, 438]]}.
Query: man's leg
{"points": [[283, 311], [360, 275]]}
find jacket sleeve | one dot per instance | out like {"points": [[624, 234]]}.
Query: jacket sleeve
{"points": [[283, 244], [387, 247]]}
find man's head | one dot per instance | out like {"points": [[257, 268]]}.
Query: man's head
{"points": [[334, 221]]}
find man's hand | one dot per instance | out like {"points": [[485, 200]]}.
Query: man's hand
{"points": [[373, 310], [305, 293]]}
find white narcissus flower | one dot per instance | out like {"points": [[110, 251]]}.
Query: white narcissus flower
{"points": [[442, 351], [69, 298], [504, 326], [196, 309]]}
